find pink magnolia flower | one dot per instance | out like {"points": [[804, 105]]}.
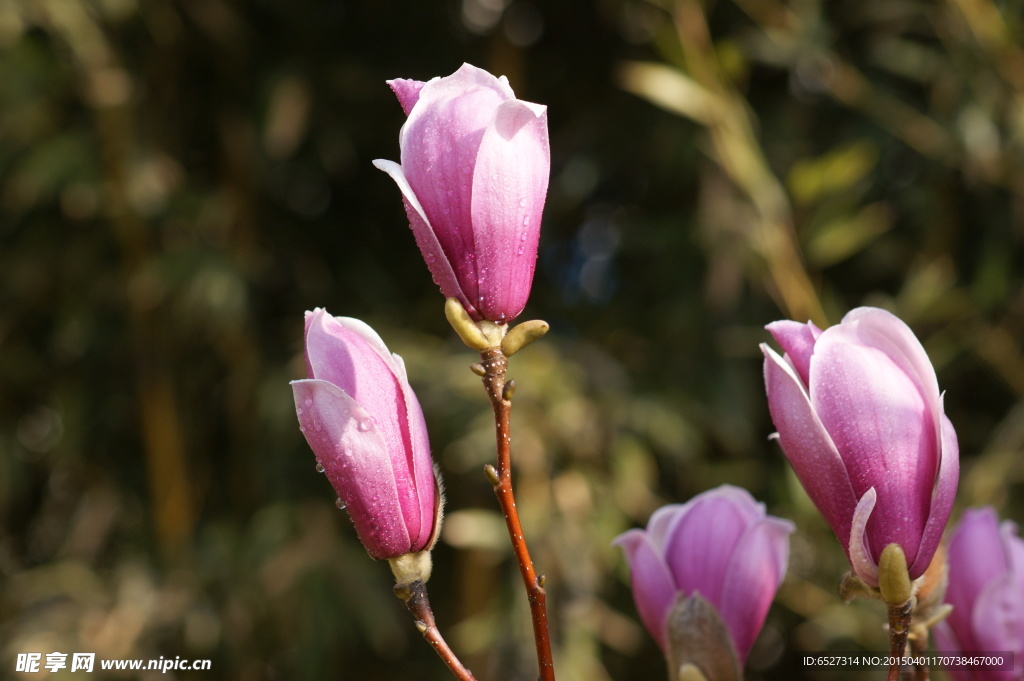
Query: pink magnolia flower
{"points": [[720, 545], [474, 176], [363, 422], [986, 590], [860, 418]]}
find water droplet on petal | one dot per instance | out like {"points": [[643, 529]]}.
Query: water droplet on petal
{"points": [[522, 203], [339, 503], [365, 424], [526, 220], [309, 402], [522, 237], [522, 249], [298, 411], [319, 467]]}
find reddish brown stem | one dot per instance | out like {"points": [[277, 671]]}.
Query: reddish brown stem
{"points": [[899, 629], [415, 598], [495, 365]]}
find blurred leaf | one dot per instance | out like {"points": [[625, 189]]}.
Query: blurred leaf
{"points": [[814, 179], [668, 88], [843, 237]]}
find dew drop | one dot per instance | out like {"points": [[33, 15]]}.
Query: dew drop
{"points": [[522, 237], [339, 503], [365, 424], [319, 467], [526, 220], [522, 249], [308, 402], [522, 203], [298, 411]]}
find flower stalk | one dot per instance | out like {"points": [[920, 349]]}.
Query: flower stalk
{"points": [[414, 595], [899, 629], [495, 365]]}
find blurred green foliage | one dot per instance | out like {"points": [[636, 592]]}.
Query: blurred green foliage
{"points": [[181, 179]]}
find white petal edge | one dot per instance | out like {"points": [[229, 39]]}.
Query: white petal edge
{"points": [[860, 553]]}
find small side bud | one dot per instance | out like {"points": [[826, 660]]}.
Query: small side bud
{"points": [[509, 390], [421, 626], [478, 369], [542, 581], [491, 473], [520, 336], [464, 325], [408, 569], [851, 586], [893, 576]]}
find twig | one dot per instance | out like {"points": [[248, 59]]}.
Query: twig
{"points": [[495, 364], [899, 628], [415, 598]]}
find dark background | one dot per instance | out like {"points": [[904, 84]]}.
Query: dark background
{"points": [[181, 180]]}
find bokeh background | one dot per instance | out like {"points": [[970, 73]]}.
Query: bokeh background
{"points": [[181, 179]]}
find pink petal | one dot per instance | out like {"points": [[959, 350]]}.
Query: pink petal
{"points": [[864, 564], [997, 622], [349, 354], [468, 77], [808, 446], [357, 463], [885, 331], [754, 573], [510, 183], [654, 592], [884, 432], [1015, 545], [440, 142], [407, 91], [700, 543], [976, 558], [661, 523], [423, 468], [943, 496], [797, 340], [437, 262]]}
